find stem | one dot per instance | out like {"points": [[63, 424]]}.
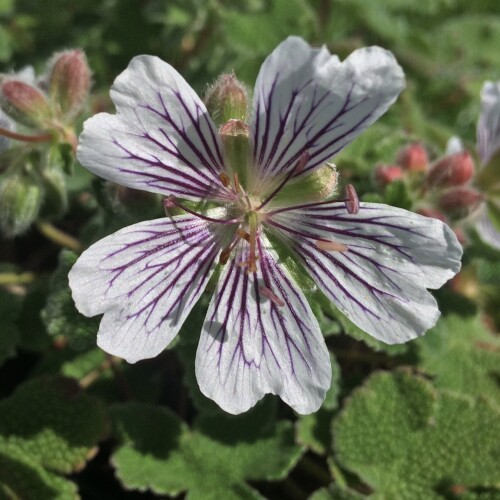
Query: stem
{"points": [[26, 138], [338, 476], [59, 237], [16, 279], [94, 375]]}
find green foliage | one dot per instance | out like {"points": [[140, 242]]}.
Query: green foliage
{"points": [[23, 477], [463, 355], [334, 492], [60, 315], [10, 306], [407, 440], [51, 421], [161, 453]]}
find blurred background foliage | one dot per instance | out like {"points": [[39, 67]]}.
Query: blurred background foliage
{"points": [[75, 422]]}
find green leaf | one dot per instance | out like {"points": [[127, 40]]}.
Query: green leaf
{"points": [[463, 355], [49, 419], [335, 492], [21, 477], [10, 306], [407, 440], [396, 194], [159, 452], [60, 315]]}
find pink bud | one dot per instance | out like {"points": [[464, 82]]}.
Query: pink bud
{"points": [[385, 174], [452, 170], [432, 212], [413, 158], [23, 102], [460, 200], [69, 81]]}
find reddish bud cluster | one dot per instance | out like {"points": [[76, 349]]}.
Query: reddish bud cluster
{"points": [[413, 158], [453, 170]]}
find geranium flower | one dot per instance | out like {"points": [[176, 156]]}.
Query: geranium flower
{"points": [[266, 189], [488, 146]]}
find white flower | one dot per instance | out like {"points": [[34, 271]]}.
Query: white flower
{"points": [[488, 144], [260, 335]]}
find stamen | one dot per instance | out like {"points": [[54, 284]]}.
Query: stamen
{"points": [[352, 199], [331, 246], [243, 234], [171, 201], [224, 178], [271, 296], [299, 166], [253, 223]]}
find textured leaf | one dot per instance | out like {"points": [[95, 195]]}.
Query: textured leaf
{"points": [[334, 492], [60, 315], [160, 453], [51, 421], [406, 440], [462, 355], [21, 477]]}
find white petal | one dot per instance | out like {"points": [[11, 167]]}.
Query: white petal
{"points": [[161, 139], [145, 278], [380, 282], [488, 125], [251, 346], [487, 230], [307, 100], [454, 145]]}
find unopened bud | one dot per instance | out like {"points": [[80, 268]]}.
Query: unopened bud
{"points": [[460, 201], [23, 102], [451, 170], [413, 158], [235, 136], [227, 99], [69, 81], [56, 195], [385, 174], [20, 200], [432, 212]]}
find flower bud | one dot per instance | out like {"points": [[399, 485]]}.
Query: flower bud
{"points": [[451, 170], [23, 102], [69, 81], [460, 201], [20, 200], [56, 196], [413, 158], [432, 212], [385, 174], [235, 136], [227, 99]]}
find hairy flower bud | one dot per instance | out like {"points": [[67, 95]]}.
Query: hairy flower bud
{"points": [[459, 201], [56, 195], [69, 81], [23, 102], [385, 174], [235, 136], [413, 158], [227, 99], [452, 170], [20, 200]]}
